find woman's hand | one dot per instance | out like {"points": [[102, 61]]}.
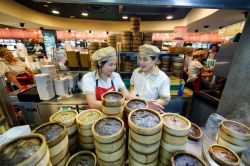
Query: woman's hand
{"points": [[152, 104]]}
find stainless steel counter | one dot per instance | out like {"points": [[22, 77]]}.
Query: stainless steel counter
{"points": [[77, 99]]}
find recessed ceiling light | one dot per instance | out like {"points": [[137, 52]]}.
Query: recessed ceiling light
{"points": [[49, 2], [55, 12], [169, 17], [45, 5], [124, 17], [85, 14]]}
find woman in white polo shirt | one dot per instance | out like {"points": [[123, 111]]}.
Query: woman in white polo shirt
{"points": [[104, 79], [196, 69], [148, 81], [5, 71]]}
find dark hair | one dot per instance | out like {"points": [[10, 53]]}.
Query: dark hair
{"points": [[102, 64]]}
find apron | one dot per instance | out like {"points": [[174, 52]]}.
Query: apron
{"points": [[99, 91], [197, 84]]}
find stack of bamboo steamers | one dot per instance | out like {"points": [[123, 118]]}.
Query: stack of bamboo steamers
{"points": [[112, 104], [145, 128], [234, 136], [68, 119], [174, 136], [109, 140], [84, 120], [57, 140]]}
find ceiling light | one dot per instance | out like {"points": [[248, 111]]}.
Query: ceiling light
{"points": [[55, 12], [206, 26], [85, 14], [124, 17], [49, 2], [45, 5], [169, 17]]}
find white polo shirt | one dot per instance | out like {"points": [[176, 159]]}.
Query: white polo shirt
{"points": [[3, 69], [18, 68], [194, 70], [153, 86], [89, 82]]}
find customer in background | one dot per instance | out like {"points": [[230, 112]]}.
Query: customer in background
{"points": [[23, 74], [196, 71], [148, 81], [213, 52], [103, 79]]}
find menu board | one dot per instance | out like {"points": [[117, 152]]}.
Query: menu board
{"points": [[49, 41]]}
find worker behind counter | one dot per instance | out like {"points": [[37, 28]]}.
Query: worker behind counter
{"points": [[23, 74], [148, 81], [196, 71], [5, 71], [103, 79]]}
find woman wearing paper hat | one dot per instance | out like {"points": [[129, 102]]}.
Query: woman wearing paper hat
{"points": [[148, 81], [104, 79], [195, 69]]}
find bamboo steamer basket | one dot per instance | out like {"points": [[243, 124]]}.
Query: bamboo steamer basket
{"points": [[172, 148], [80, 158], [56, 136], [67, 118], [129, 108], [147, 41], [64, 161], [120, 162], [87, 146], [110, 147], [177, 60], [135, 18], [134, 162], [220, 159], [235, 148], [85, 119], [177, 68], [175, 124], [245, 157], [86, 140], [195, 132], [146, 139], [85, 133], [233, 140], [235, 129], [145, 130], [108, 138], [126, 46], [119, 115], [142, 158], [163, 160], [10, 150], [113, 102], [165, 154], [58, 158], [112, 110], [126, 38], [126, 33], [45, 159], [191, 155], [73, 138], [177, 71], [174, 140], [125, 49], [111, 157], [143, 148]]}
